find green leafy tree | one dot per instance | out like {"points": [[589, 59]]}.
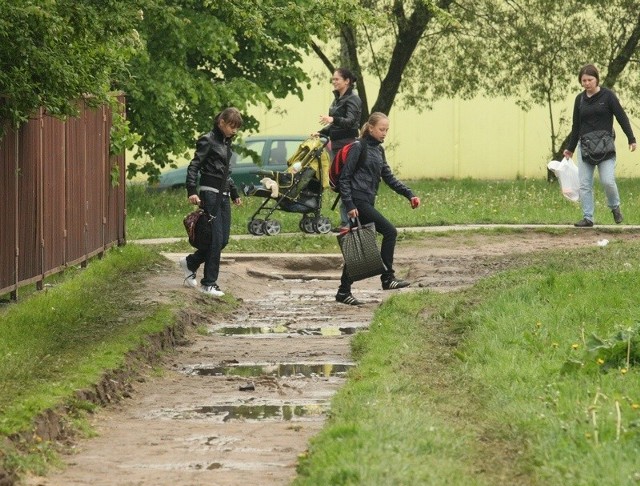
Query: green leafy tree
{"points": [[512, 48], [53, 53], [200, 57], [382, 39], [527, 50]]}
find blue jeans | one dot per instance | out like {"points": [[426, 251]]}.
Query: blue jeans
{"points": [[221, 229], [606, 172]]}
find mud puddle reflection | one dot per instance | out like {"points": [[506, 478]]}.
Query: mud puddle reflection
{"points": [[283, 329], [270, 369]]}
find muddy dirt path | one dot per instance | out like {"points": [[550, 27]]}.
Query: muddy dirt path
{"points": [[238, 403]]}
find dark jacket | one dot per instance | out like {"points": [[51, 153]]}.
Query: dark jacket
{"points": [[360, 180], [213, 153], [596, 113], [346, 111]]}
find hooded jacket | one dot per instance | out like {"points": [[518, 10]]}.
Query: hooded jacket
{"points": [[361, 179]]}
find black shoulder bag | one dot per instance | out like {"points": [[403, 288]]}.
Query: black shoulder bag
{"points": [[598, 145]]}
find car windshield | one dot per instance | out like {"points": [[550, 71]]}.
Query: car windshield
{"points": [[256, 146]]}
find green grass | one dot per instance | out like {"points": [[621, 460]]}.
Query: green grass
{"points": [[500, 384], [153, 215], [63, 339]]}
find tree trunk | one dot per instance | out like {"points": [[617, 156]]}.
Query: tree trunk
{"points": [[349, 54], [410, 31]]}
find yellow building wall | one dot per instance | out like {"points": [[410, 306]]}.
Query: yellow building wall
{"points": [[481, 138]]}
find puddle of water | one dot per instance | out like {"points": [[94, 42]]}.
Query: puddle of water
{"points": [[262, 330], [250, 330], [278, 369], [260, 412]]}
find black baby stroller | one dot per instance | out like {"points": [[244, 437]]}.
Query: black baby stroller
{"points": [[297, 190]]}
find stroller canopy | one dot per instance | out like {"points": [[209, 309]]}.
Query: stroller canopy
{"points": [[311, 153]]}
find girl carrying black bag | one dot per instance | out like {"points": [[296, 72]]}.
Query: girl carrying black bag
{"points": [[358, 183]]}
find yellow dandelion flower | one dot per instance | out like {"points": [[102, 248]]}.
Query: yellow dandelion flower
{"points": [[539, 324], [554, 345], [623, 371], [575, 346], [635, 406], [600, 361]]}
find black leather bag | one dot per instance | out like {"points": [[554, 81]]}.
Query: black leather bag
{"points": [[360, 251], [597, 146], [199, 228]]}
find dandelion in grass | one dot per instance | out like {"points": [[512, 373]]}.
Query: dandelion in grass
{"points": [[600, 361], [575, 346], [554, 345], [635, 406], [624, 371]]}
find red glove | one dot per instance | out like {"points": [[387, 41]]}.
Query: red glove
{"points": [[415, 202]]}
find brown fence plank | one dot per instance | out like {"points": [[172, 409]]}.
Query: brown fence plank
{"points": [[9, 212], [53, 207], [58, 204]]}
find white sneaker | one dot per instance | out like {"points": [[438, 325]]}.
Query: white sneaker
{"points": [[212, 290], [189, 276]]}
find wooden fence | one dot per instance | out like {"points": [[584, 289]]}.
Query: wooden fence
{"points": [[62, 196]]}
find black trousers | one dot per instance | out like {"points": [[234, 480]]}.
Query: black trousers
{"points": [[369, 214], [221, 230]]}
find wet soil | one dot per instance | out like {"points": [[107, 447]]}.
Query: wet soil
{"points": [[239, 400]]}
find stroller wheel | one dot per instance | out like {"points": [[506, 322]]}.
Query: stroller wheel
{"points": [[255, 227], [271, 227], [306, 224], [322, 225]]}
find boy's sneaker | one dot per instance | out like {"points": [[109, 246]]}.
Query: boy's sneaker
{"points": [[347, 298], [617, 215], [212, 290], [189, 276], [394, 283]]}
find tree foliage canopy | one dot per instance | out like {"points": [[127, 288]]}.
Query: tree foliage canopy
{"points": [[200, 57], [181, 61], [54, 52], [419, 51]]}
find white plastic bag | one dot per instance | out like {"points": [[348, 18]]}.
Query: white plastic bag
{"points": [[567, 173]]}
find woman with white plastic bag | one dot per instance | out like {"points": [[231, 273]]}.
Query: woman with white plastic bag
{"points": [[593, 113], [567, 174]]}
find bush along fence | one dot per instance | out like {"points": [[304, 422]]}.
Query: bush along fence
{"points": [[62, 196]]}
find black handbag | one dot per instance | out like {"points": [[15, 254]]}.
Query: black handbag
{"points": [[360, 251], [597, 146], [199, 228]]}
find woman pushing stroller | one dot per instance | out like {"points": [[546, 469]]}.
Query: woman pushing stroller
{"points": [[358, 184]]}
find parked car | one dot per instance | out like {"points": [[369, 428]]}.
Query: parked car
{"points": [[272, 150]]}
